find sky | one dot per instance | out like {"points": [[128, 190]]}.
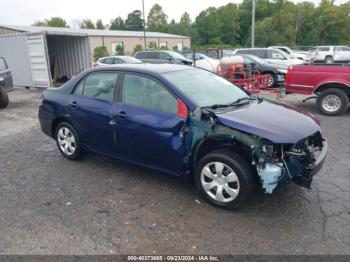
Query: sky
{"points": [[26, 12]]}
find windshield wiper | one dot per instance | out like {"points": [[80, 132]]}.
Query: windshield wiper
{"points": [[247, 98]]}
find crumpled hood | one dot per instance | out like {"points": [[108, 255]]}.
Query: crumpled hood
{"points": [[277, 122]]}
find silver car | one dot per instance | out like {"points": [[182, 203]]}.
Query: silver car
{"points": [[117, 60], [330, 54], [6, 83]]}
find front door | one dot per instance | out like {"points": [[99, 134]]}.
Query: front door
{"points": [[91, 108], [149, 129]]}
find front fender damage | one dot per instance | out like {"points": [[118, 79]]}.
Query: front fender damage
{"points": [[275, 164]]}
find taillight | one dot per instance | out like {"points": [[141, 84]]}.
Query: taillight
{"points": [[182, 110]]}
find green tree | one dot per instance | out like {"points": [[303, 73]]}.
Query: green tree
{"points": [[134, 22], [52, 22], [119, 50], [152, 45], [100, 25], [138, 48], [117, 24], [87, 24], [99, 52], [157, 19]]}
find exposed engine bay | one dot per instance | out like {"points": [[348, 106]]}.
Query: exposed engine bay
{"points": [[276, 164]]}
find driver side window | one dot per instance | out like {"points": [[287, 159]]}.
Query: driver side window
{"points": [[147, 93], [99, 85], [276, 55]]}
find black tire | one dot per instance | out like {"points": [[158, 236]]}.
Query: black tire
{"points": [[329, 60], [271, 79], [241, 168], [339, 94], [4, 99], [73, 155]]}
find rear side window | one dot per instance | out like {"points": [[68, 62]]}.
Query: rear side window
{"points": [[3, 65], [152, 55], [164, 56], [147, 93], [140, 55], [99, 85], [323, 49], [108, 61], [118, 61]]}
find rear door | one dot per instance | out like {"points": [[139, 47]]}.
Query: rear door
{"points": [[38, 59], [149, 129], [5, 74], [91, 108]]}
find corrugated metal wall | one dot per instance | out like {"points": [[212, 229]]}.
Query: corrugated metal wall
{"points": [[69, 55], [15, 50]]}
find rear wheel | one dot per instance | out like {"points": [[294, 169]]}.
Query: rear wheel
{"points": [[271, 81], [329, 60], [333, 101], [4, 99], [67, 141], [225, 179]]}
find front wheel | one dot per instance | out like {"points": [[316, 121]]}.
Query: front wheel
{"points": [[225, 179], [67, 141], [333, 102]]}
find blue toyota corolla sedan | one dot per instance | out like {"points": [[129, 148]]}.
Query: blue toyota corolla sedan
{"points": [[185, 121]]}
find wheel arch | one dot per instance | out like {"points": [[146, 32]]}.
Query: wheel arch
{"points": [[324, 86], [210, 144], [57, 121]]}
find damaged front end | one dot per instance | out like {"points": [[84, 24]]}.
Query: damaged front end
{"points": [[276, 163], [279, 164]]}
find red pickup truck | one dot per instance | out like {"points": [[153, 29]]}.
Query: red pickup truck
{"points": [[330, 85]]}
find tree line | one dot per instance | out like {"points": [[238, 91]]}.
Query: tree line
{"points": [[278, 22]]}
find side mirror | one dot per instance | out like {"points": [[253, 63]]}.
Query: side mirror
{"points": [[2, 81], [170, 58]]}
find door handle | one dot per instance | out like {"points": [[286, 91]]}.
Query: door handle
{"points": [[121, 114], [74, 104]]}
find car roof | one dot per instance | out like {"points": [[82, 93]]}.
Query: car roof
{"points": [[145, 68]]}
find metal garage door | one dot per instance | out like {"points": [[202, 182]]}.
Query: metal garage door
{"points": [[38, 59]]}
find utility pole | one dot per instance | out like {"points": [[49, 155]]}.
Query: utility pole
{"points": [[144, 25], [253, 22]]}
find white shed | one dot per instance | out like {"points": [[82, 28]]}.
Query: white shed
{"points": [[45, 58]]}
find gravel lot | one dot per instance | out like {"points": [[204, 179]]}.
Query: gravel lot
{"points": [[49, 205]]}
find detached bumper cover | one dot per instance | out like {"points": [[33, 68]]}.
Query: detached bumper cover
{"points": [[319, 160]]}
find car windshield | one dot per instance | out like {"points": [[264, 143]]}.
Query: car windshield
{"points": [[204, 88], [256, 59], [132, 60]]}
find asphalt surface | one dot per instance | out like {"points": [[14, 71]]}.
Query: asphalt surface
{"points": [[49, 205]]}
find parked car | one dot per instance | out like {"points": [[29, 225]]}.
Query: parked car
{"points": [[274, 56], [330, 54], [330, 85], [197, 56], [185, 121], [275, 73], [292, 53], [162, 57], [116, 60], [6, 83]]}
